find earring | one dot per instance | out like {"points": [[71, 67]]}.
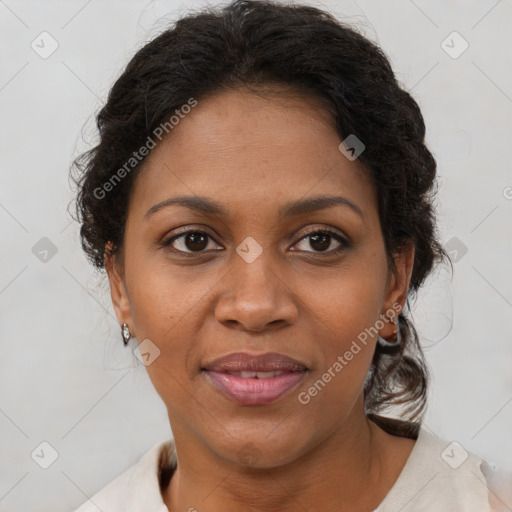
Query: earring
{"points": [[395, 341], [125, 331]]}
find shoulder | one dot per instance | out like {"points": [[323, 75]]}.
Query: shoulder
{"points": [[138, 487], [499, 483], [109, 498], [443, 476]]}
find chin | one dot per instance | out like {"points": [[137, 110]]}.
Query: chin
{"points": [[257, 449]]}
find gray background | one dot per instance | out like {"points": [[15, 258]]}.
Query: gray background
{"points": [[65, 376]]}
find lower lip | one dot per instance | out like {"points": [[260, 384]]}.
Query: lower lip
{"points": [[255, 391]]}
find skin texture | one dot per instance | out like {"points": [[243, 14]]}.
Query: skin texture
{"points": [[253, 153]]}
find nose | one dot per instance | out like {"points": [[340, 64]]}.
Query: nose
{"points": [[255, 297]]}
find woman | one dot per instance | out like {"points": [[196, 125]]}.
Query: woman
{"points": [[261, 200]]}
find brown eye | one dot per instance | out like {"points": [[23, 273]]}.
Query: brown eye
{"points": [[189, 241], [196, 241], [321, 240]]}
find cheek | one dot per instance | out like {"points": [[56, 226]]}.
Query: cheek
{"points": [[169, 305], [347, 346], [160, 306], [346, 312], [164, 297], [348, 342], [351, 301]]}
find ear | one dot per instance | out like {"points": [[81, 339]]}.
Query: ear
{"points": [[397, 287], [118, 291]]}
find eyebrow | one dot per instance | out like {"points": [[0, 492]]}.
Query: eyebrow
{"points": [[208, 206]]}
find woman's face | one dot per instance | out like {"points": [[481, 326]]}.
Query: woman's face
{"points": [[254, 278]]}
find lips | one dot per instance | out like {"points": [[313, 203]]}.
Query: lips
{"points": [[258, 375], [255, 379], [244, 362]]}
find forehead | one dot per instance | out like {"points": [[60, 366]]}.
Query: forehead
{"points": [[251, 149]]}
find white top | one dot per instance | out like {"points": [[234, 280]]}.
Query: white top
{"points": [[439, 476]]}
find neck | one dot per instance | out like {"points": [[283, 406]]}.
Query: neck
{"points": [[343, 472]]}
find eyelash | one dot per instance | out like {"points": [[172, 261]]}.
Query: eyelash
{"points": [[344, 243]]}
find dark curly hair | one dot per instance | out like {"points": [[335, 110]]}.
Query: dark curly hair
{"points": [[257, 45]]}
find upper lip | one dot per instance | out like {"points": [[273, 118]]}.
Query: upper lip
{"points": [[243, 361]]}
